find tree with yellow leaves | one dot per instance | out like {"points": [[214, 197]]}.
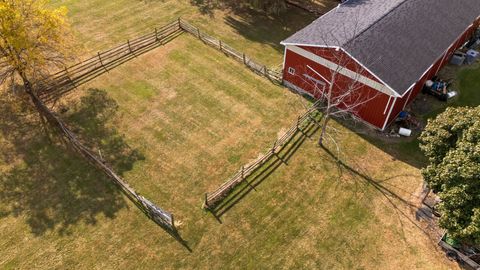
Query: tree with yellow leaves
{"points": [[34, 40]]}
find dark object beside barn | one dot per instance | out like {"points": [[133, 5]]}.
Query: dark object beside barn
{"points": [[392, 47]]}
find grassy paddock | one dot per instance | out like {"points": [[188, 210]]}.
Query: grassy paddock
{"points": [[101, 24], [176, 122]]}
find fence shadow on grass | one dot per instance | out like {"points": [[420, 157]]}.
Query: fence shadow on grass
{"points": [[89, 118], [262, 172], [66, 80], [52, 188]]}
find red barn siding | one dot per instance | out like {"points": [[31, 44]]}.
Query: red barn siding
{"points": [[343, 59], [375, 111], [371, 112]]}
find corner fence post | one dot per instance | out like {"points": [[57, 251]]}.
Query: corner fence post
{"points": [[179, 23], [205, 204]]}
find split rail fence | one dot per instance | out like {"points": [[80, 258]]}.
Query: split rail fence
{"points": [[69, 78], [214, 198], [241, 57], [64, 81], [160, 216]]}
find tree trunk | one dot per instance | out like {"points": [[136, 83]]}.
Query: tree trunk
{"points": [[43, 119], [324, 130]]}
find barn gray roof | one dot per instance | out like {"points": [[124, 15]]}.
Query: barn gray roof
{"points": [[397, 40]]}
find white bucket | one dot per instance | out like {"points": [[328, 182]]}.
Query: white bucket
{"points": [[405, 132], [451, 94]]}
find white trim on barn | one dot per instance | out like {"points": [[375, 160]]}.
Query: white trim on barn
{"points": [[389, 113], [371, 72], [342, 70], [299, 90], [386, 106]]}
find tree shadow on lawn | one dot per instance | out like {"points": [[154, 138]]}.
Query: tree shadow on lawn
{"points": [[398, 202], [425, 107], [257, 26], [51, 186]]}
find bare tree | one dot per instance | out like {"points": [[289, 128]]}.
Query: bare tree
{"points": [[339, 97]]}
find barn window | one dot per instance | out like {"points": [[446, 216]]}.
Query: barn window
{"points": [[291, 71]]}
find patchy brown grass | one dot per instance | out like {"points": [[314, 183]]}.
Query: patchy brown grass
{"points": [[176, 122]]}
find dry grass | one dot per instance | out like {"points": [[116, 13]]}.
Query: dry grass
{"points": [[101, 24], [177, 122]]}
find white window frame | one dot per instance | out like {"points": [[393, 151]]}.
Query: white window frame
{"points": [[291, 71]]}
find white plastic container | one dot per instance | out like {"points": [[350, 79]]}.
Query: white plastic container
{"points": [[405, 132]]}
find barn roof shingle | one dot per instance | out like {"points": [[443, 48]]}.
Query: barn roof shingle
{"points": [[397, 40]]}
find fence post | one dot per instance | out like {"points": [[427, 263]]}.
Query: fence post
{"points": [[274, 146], [298, 122], [179, 23], [198, 34], [265, 71], [156, 34], [69, 78], [243, 172], [206, 201], [244, 59], [220, 42], [129, 48], [101, 62]]}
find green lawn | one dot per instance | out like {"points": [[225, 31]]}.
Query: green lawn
{"points": [[175, 123]]}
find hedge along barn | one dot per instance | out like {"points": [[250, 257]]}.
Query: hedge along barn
{"points": [[389, 47]]}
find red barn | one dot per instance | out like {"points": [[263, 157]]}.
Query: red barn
{"points": [[390, 47]]}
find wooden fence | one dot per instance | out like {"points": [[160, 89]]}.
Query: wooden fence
{"points": [[241, 57], [215, 197], [161, 217], [65, 80]]}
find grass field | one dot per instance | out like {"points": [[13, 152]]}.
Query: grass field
{"points": [[176, 122], [102, 24]]}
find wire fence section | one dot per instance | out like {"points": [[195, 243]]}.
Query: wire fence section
{"points": [[215, 197], [158, 215], [263, 70], [67, 79]]}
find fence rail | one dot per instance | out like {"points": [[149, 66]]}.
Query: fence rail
{"points": [[158, 215], [241, 57], [67, 79], [213, 198], [64, 81]]}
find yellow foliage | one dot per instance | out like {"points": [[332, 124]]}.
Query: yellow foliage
{"points": [[33, 38]]}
